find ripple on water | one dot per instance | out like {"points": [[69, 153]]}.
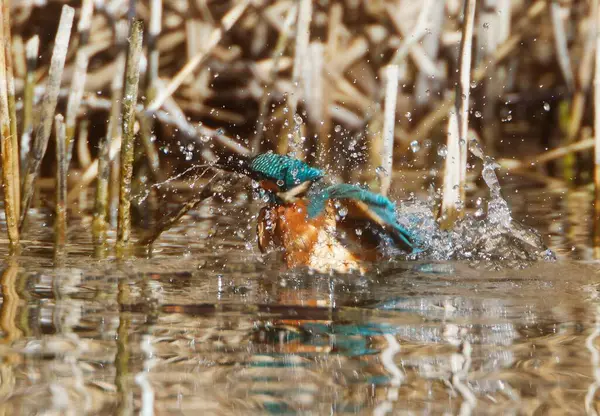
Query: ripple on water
{"points": [[209, 325]]}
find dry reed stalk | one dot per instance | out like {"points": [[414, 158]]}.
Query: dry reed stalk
{"points": [[101, 208], [132, 79], [19, 59], [523, 26], [154, 29], [499, 18], [282, 42], [425, 86], [7, 143], [12, 110], [391, 75], [579, 100], [83, 152], [79, 75], [596, 233], [215, 37], [61, 45], [560, 43], [316, 101], [85, 22], [304, 19], [31, 52], [62, 167], [452, 204], [74, 100]]}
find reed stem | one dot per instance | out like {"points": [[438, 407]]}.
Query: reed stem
{"points": [[12, 109], [391, 74], [578, 104], [7, 143], [456, 159], [74, 100], [31, 52], [60, 225], [596, 234], [101, 208], [132, 79], [59, 53], [282, 42]]}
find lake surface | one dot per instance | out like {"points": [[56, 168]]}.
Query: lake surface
{"points": [[208, 326]]}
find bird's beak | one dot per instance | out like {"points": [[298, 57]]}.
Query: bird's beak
{"points": [[293, 194]]}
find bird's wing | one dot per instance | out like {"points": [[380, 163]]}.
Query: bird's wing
{"points": [[363, 204]]}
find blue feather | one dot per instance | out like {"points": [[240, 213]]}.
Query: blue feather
{"points": [[287, 172], [379, 204]]}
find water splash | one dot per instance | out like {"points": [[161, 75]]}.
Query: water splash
{"points": [[489, 238]]}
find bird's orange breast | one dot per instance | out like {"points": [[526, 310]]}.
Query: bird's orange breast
{"points": [[305, 242]]}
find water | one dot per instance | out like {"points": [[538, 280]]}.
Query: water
{"points": [[208, 326]]}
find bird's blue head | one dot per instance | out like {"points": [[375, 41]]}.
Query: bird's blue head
{"points": [[286, 172]]}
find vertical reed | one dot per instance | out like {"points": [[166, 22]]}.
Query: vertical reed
{"points": [[7, 144], [62, 166], [147, 122], [154, 29], [102, 185], [282, 41], [578, 103], [12, 108], [300, 62], [455, 172], [597, 143], [132, 79], [560, 44], [74, 100], [61, 44], [85, 22], [391, 74], [31, 52]]}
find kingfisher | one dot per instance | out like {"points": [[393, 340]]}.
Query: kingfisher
{"points": [[325, 227]]}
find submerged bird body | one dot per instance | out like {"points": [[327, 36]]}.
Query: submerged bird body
{"points": [[338, 228]]}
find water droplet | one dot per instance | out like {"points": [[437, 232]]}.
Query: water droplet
{"points": [[415, 146], [220, 131], [343, 211], [442, 151], [473, 84], [358, 231], [337, 128], [298, 119], [486, 25], [280, 183], [546, 106], [477, 114], [408, 115]]}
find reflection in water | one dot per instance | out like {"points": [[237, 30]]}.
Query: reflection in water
{"points": [[208, 326]]}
